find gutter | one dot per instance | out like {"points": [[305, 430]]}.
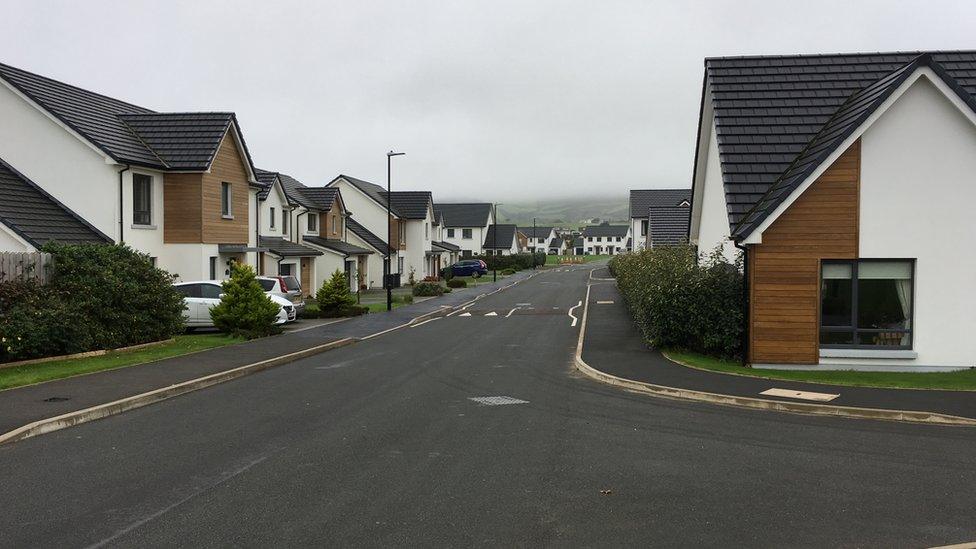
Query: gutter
{"points": [[295, 227], [122, 206], [745, 302]]}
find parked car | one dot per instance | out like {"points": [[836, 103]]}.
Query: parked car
{"points": [[288, 287], [201, 295], [468, 267]]}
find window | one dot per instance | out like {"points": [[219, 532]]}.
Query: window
{"points": [[426, 230], [643, 227], [313, 222], [286, 269], [226, 195], [272, 219], [618, 239], [335, 229], [153, 260], [866, 303], [213, 268], [285, 216], [267, 284], [599, 239], [210, 291], [466, 233], [141, 199], [450, 233], [399, 264]]}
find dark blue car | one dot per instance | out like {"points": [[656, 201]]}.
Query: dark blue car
{"points": [[468, 267]]}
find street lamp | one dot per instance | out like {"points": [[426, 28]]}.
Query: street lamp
{"points": [[389, 232], [536, 236], [494, 243]]}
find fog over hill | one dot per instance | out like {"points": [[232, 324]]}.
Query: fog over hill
{"points": [[563, 212]]}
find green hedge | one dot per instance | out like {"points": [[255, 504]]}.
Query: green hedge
{"points": [[678, 300], [515, 261], [427, 289], [98, 297], [457, 283]]}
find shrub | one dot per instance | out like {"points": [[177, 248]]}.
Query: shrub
{"points": [[680, 301], [427, 289], [447, 290], [403, 298], [334, 295], [457, 283], [311, 310], [97, 297], [508, 271], [244, 309], [344, 311], [515, 261], [448, 272]]}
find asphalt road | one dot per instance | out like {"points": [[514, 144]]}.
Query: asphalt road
{"points": [[380, 444]]}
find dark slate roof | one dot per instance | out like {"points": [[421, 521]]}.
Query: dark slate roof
{"points": [[465, 214], [410, 204], [127, 133], [578, 242], [266, 179], [642, 199], [336, 245], [668, 225], [605, 230], [285, 248], [38, 217], [319, 198], [556, 243], [446, 245], [538, 232], [291, 187], [777, 118], [368, 236], [506, 236]]}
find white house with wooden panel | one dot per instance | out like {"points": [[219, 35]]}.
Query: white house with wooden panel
{"points": [[847, 182]]}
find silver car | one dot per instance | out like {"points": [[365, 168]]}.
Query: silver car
{"points": [[288, 287]]}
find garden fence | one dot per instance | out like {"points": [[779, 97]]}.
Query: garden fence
{"points": [[25, 266]]}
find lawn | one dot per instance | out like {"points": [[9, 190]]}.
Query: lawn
{"points": [[378, 307], [46, 371], [964, 380]]}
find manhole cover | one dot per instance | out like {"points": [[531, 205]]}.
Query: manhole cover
{"points": [[497, 400], [56, 399]]}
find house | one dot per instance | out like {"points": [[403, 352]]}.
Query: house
{"points": [[847, 183], [641, 202], [578, 246], [503, 239], [448, 253], [180, 187], [557, 246], [667, 226], [466, 224], [606, 239], [538, 238], [411, 223]]}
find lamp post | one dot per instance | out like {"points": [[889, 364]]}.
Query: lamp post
{"points": [[389, 233], [494, 244], [535, 236]]}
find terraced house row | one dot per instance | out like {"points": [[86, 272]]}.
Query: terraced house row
{"points": [[77, 166]]}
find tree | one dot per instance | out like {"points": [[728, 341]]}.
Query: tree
{"points": [[334, 296], [244, 308]]}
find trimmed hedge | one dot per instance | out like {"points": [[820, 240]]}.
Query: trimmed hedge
{"points": [[457, 283], [427, 289], [98, 297], [682, 301], [515, 261]]}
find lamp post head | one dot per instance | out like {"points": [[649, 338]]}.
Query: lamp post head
{"points": [[391, 153]]}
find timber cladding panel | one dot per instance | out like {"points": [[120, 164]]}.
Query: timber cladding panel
{"points": [[784, 271], [326, 219], [182, 207], [228, 166]]}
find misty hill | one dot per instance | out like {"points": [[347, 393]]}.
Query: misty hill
{"points": [[565, 212]]}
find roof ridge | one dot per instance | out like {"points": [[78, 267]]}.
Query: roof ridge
{"points": [[34, 74], [827, 54]]}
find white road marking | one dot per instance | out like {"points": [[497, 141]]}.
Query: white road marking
{"points": [[510, 312], [522, 304], [465, 314], [497, 400], [425, 322], [802, 395], [493, 313], [610, 302], [334, 366], [571, 315]]}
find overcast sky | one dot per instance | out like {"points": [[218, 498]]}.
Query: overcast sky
{"points": [[494, 100]]}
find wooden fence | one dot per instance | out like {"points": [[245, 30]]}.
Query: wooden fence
{"points": [[25, 266]]}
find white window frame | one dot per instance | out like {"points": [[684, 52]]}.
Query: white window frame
{"points": [[226, 200]]}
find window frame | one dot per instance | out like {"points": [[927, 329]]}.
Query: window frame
{"points": [[271, 218], [226, 200], [853, 329], [147, 179], [312, 219], [467, 234]]}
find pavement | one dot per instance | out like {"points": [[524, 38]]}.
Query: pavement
{"points": [[479, 430], [613, 345], [22, 405]]}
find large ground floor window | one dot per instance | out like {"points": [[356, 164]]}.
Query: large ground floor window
{"points": [[867, 303]]}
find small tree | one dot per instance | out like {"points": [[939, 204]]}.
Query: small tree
{"points": [[244, 308], [334, 296]]}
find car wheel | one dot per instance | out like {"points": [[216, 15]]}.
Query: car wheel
{"points": [[475, 274]]}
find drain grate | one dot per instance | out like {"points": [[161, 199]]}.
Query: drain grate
{"points": [[56, 399], [497, 400]]}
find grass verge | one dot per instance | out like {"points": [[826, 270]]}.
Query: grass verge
{"points": [[963, 380], [47, 371], [380, 307]]}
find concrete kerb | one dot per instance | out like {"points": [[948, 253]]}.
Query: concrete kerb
{"points": [[144, 399], [909, 416]]}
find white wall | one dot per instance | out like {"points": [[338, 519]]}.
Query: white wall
{"points": [[591, 243], [635, 231], [277, 201], [713, 227], [475, 244], [918, 187], [10, 242]]}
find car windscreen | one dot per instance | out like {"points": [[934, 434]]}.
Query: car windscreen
{"points": [[266, 285], [292, 283]]}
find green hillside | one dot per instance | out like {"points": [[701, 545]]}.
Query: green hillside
{"points": [[566, 212]]}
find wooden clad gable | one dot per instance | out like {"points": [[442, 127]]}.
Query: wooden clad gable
{"points": [[228, 166], [784, 271]]}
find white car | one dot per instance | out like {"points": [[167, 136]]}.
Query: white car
{"points": [[201, 295]]}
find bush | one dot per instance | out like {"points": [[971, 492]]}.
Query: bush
{"points": [[508, 271], [427, 289], [244, 309], [515, 261], [403, 298], [334, 295], [457, 283], [680, 301], [447, 290], [97, 297], [448, 272], [344, 311]]}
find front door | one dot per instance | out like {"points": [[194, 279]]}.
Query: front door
{"points": [[307, 276]]}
